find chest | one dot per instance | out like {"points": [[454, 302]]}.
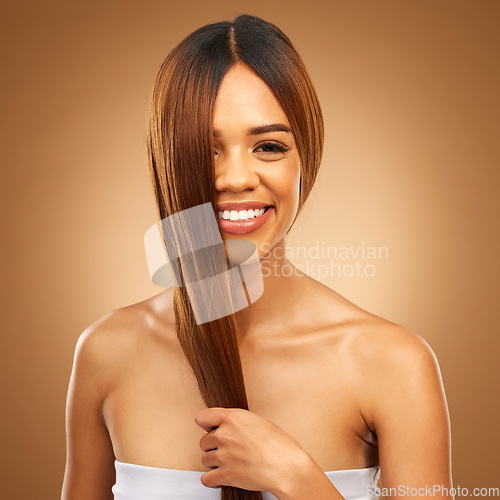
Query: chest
{"points": [[151, 407]]}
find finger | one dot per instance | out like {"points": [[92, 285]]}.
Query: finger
{"points": [[211, 459], [209, 441], [213, 479], [210, 418]]}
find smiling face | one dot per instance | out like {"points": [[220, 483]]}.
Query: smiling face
{"points": [[257, 164]]}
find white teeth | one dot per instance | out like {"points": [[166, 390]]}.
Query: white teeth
{"points": [[236, 215]]}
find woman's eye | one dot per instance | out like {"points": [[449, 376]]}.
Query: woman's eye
{"points": [[268, 148], [273, 147]]}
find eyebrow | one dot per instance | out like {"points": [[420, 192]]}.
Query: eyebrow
{"points": [[263, 129]]}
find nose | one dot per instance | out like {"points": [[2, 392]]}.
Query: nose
{"points": [[235, 173]]}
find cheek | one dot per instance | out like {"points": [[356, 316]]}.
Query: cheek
{"points": [[286, 185], [284, 182]]}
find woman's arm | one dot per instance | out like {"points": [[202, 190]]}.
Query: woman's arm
{"points": [[89, 470], [409, 412]]}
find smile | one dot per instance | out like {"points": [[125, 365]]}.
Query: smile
{"points": [[243, 221]]}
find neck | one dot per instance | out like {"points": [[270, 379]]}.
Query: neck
{"points": [[283, 292]]}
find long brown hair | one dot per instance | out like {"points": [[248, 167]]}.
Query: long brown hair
{"points": [[180, 154]]}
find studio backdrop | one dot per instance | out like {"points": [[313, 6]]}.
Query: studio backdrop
{"points": [[403, 220]]}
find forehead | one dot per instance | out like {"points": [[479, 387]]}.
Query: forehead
{"points": [[244, 100]]}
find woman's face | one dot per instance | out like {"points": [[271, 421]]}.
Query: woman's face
{"points": [[256, 166]]}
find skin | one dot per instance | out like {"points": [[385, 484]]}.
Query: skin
{"points": [[330, 386]]}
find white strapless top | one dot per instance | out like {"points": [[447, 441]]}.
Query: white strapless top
{"points": [[141, 482]]}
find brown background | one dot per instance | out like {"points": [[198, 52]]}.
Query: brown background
{"points": [[409, 90]]}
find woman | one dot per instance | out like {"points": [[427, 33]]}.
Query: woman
{"points": [[301, 394]]}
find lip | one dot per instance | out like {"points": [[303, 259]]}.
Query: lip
{"points": [[245, 226]]}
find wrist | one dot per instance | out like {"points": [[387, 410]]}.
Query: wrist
{"points": [[293, 484], [306, 480]]}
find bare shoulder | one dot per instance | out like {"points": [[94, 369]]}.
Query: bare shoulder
{"points": [[397, 370], [117, 334], [379, 350], [390, 347], [103, 343], [384, 350], [375, 342]]}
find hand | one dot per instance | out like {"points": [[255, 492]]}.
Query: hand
{"points": [[246, 450]]}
